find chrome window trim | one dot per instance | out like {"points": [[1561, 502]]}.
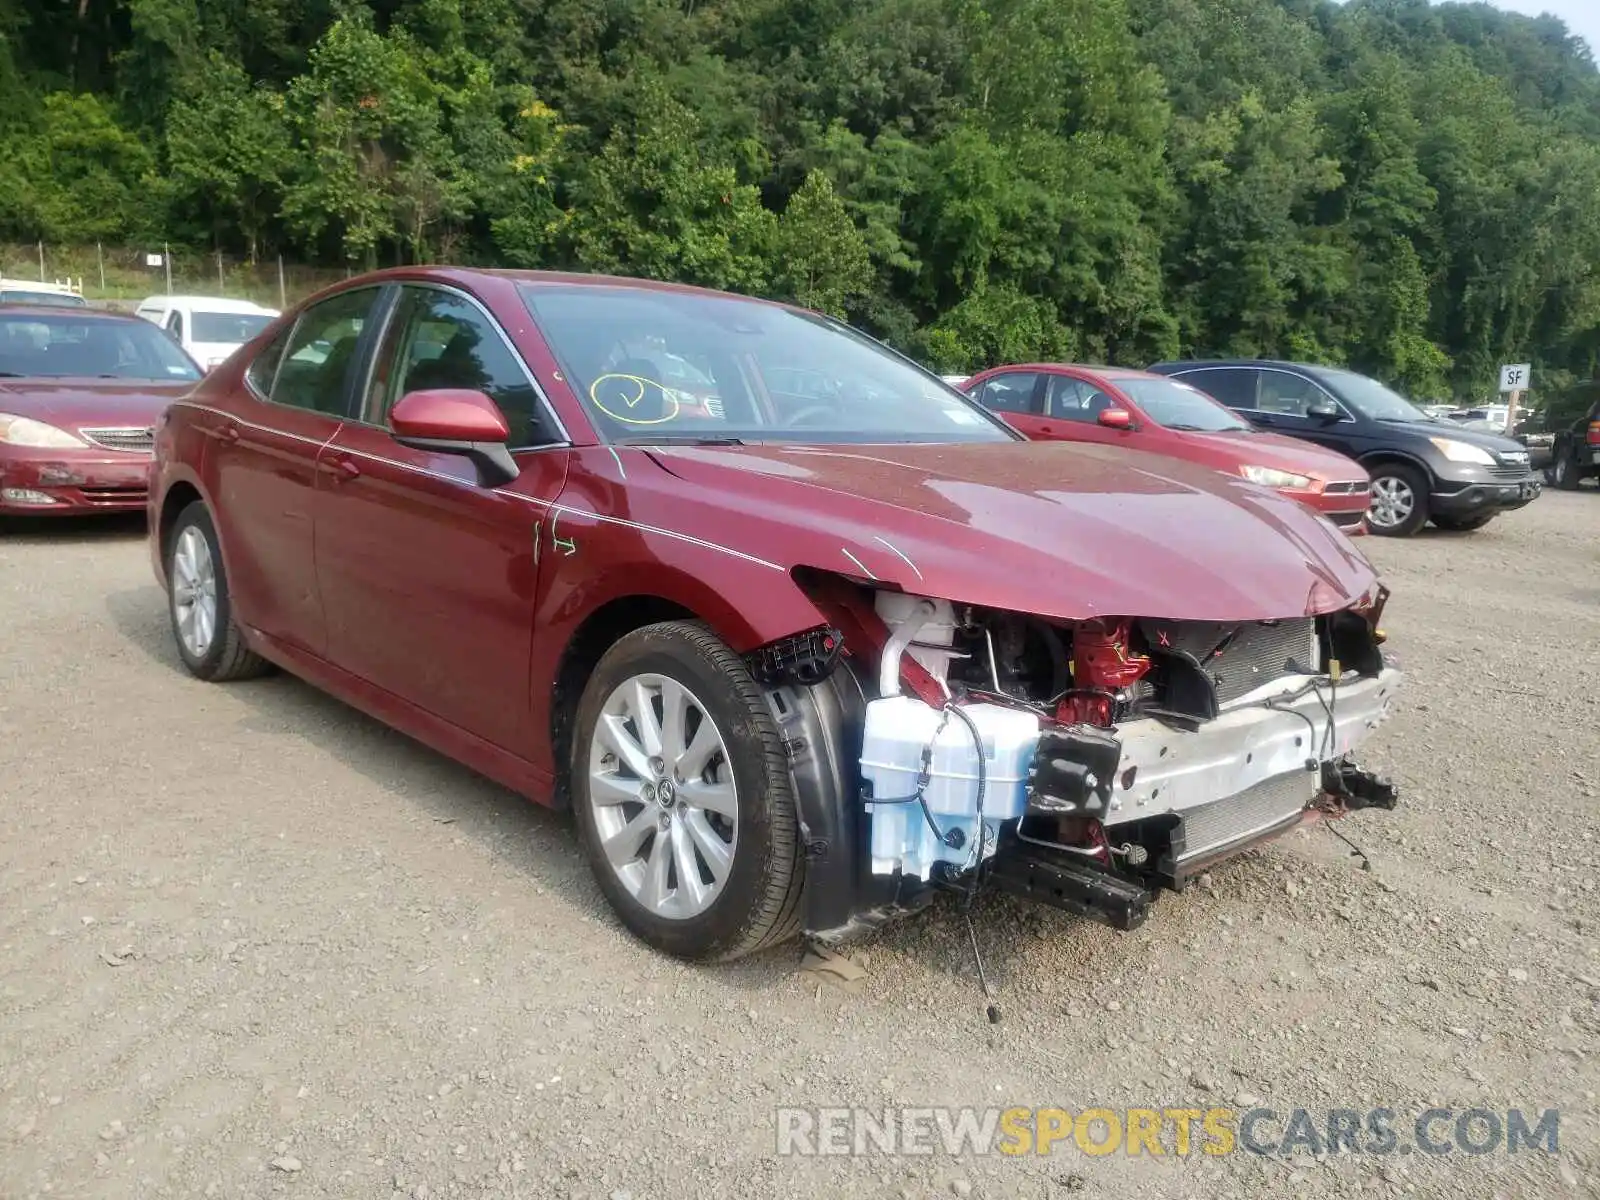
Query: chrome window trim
{"points": [[564, 438]]}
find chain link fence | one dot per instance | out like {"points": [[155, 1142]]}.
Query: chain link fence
{"points": [[121, 276]]}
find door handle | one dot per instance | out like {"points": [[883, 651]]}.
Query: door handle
{"points": [[229, 433], [344, 468]]}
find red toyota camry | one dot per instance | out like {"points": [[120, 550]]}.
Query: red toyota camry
{"points": [[1140, 411], [801, 633], [80, 391]]}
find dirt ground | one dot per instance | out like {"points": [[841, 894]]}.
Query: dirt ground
{"points": [[254, 944]]}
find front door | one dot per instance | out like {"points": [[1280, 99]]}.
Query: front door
{"points": [[1014, 397], [262, 465], [1283, 402], [427, 577]]}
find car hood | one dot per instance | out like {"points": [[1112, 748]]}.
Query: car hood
{"points": [[76, 404], [1262, 449], [1496, 443], [1063, 530]]}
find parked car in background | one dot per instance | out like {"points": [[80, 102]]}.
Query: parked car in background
{"points": [[58, 294], [1141, 411], [796, 660], [1421, 470], [1436, 412], [209, 328], [954, 381], [1575, 451], [80, 391], [1491, 417]]}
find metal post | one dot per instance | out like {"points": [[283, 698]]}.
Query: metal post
{"points": [[100, 257], [1511, 413], [41, 262], [221, 286], [283, 292], [166, 259]]}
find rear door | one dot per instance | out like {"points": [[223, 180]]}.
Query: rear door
{"points": [[428, 577], [263, 460]]}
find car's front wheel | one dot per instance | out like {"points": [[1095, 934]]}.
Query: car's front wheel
{"points": [[1399, 500], [209, 640], [683, 796]]}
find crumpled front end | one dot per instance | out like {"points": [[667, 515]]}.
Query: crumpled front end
{"points": [[1090, 764]]}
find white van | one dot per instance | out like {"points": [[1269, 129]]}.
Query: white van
{"points": [[208, 327], [58, 294]]}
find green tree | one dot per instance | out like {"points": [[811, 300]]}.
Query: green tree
{"points": [[823, 261]]}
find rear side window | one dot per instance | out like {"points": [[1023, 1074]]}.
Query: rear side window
{"points": [[1234, 386], [264, 367], [1009, 393], [321, 353], [175, 326]]}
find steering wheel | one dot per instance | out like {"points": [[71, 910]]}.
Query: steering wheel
{"points": [[811, 410]]}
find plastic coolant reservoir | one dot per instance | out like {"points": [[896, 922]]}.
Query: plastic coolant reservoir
{"points": [[897, 730]]}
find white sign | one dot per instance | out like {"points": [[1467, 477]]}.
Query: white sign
{"points": [[1514, 377], [153, 260]]}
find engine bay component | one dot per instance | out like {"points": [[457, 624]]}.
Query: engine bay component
{"points": [[1356, 788], [924, 628], [806, 658], [924, 779], [1072, 884], [1074, 771]]}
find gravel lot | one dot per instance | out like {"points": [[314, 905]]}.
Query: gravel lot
{"points": [[254, 944]]}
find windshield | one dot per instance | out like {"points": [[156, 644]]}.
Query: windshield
{"points": [[1179, 406], [658, 366], [59, 299], [1370, 398], [234, 329], [50, 345]]}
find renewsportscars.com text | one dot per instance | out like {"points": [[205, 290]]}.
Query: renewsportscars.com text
{"points": [[957, 1132]]}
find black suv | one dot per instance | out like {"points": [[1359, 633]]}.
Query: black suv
{"points": [[1421, 469], [1575, 452]]}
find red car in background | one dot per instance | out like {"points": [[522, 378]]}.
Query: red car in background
{"points": [[80, 392], [1141, 411]]}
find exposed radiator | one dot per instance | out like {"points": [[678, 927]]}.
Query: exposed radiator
{"points": [[1222, 823]]}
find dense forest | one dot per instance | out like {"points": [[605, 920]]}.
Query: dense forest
{"points": [[1413, 189]]}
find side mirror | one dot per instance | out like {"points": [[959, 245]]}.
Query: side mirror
{"points": [[457, 421], [1323, 410], [1115, 418]]}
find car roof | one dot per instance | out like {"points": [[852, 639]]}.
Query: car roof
{"points": [[467, 275]]}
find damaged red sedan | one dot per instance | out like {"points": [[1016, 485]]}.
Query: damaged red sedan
{"points": [[802, 634]]}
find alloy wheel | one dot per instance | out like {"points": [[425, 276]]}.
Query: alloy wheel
{"points": [[1393, 502], [194, 591], [663, 797]]}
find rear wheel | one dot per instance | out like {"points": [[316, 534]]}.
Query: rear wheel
{"points": [[1463, 524], [1564, 472], [209, 640], [1399, 500], [683, 797]]}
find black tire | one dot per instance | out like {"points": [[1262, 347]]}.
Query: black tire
{"points": [[1413, 479], [1564, 473], [759, 902], [226, 657], [1463, 524]]}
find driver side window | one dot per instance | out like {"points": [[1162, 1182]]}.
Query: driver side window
{"points": [[441, 340], [1286, 394]]}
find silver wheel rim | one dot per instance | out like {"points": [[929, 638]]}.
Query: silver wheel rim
{"points": [[194, 592], [662, 795], [1392, 502]]}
